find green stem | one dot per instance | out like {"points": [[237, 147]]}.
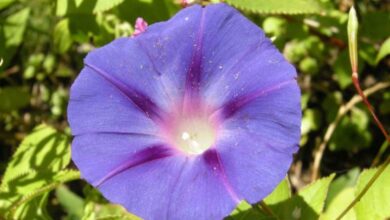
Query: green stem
{"points": [[355, 80], [365, 189], [380, 153], [267, 209], [352, 40]]}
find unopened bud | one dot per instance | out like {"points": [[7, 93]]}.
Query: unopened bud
{"points": [[140, 26], [352, 38]]}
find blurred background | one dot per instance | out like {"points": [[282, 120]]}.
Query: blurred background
{"points": [[43, 43]]}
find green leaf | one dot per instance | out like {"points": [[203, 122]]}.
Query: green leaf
{"points": [[375, 25], [307, 204], [244, 211], [96, 211], [281, 192], [367, 52], [338, 204], [72, 203], [339, 184], [352, 133], [62, 37], [43, 149], [15, 26], [104, 5], [332, 104], [342, 70], [12, 30], [34, 209], [5, 3], [13, 98], [385, 105], [383, 51], [374, 204], [65, 7], [279, 6], [130, 10], [62, 7], [311, 120], [83, 26], [78, 2], [315, 194], [20, 193]]}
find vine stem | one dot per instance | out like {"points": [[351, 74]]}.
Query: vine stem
{"points": [[380, 153], [267, 209], [352, 30], [353, 25], [343, 110], [352, 37], [355, 79], [365, 189]]}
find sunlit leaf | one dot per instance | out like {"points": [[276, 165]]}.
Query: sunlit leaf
{"points": [[5, 3], [338, 204], [281, 192], [12, 30], [34, 209], [23, 191], [311, 120], [383, 51], [306, 204], [340, 183], [314, 195], [245, 211], [103, 5], [62, 39], [96, 211], [375, 203], [15, 26], [44, 149], [72, 203], [84, 6], [279, 6]]}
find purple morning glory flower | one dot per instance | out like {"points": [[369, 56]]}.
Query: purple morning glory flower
{"points": [[187, 119]]}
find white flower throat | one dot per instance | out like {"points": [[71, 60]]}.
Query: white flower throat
{"points": [[194, 135]]}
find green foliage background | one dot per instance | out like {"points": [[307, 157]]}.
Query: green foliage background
{"points": [[42, 46]]}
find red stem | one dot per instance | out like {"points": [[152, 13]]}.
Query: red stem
{"points": [[355, 80]]}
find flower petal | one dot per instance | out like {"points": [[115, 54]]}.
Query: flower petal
{"points": [[201, 192], [174, 187], [172, 45], [100, 156], [96, 105], [273, 116], [124, 64], [237, 57], [259, 136], [252, 173]]}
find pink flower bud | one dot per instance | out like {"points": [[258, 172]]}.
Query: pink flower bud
{"points": [[140, 26]]}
